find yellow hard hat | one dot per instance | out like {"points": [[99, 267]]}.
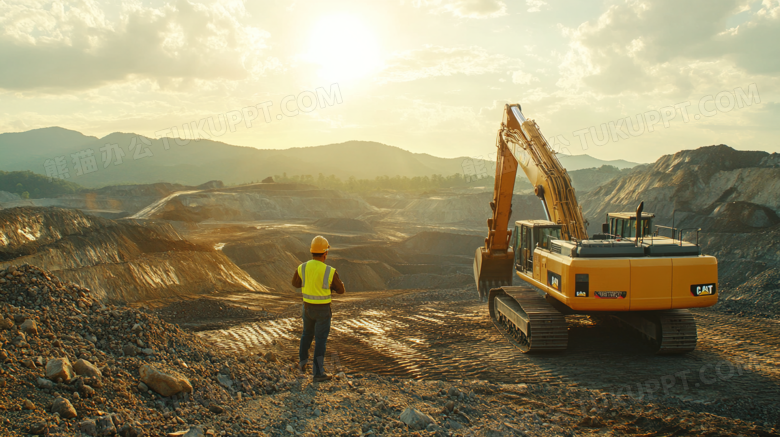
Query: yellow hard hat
{"points": [[319, 244]]}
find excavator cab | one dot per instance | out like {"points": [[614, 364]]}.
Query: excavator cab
{"points": [[529, 235], [623, 225]]}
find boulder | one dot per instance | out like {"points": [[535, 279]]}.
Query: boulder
{"points": [[224, 380], [105, 425], [85, 368], [454, 425], [416, 419], [130, 350], [44, 383], [6, 324], [29, 327], [165, 383], [64, 408], [39, 428], [88, 427], [195, 431], [59, 368], [128, 430]]}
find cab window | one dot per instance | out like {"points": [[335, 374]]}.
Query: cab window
{"points": [[626, 228], [543, 236]]}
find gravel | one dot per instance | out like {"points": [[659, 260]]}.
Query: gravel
{"points": [[73, 327]]}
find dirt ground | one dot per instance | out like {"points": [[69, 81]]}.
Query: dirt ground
{"points": [[445, 334]]}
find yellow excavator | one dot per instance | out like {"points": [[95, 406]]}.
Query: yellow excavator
{"points": [[627, 271]]}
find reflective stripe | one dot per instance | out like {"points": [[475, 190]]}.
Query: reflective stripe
{"points": [[325, 282], [303, 275], [313, 297]]}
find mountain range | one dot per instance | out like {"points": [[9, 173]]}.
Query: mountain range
{"points": [[121, 158]]}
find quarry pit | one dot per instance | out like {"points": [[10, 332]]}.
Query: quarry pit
{"points": [[218, 261]]}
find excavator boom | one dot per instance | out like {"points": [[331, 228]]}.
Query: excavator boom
{"points": [[519, 142], [550, 180]]}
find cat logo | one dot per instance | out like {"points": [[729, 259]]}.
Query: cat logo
{"points": [[703, 289], [579, 293], [554, 280]]}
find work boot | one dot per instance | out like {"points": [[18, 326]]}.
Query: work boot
{"points": [[302, 368], [322, 378]]}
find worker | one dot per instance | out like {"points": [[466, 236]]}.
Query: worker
{"points": [[316, 281]]}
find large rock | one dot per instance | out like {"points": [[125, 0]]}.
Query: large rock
{"points": [[195, 431], [64, 408], [416, 419], [39, 428], [165, 383], [29, 327], [88, 427], [130, 350], [128, 430], [44, 383], [105, 425], [224, 380], [59, 368], [85, 368]]}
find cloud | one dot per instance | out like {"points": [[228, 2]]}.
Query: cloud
{"points": [[465, 8], [535, 5], [58, 47], [640, 46], [523, 78], [422, 116], [433, 61]]}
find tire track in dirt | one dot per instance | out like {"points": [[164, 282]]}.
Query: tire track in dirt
{"points": [[447, 335]]}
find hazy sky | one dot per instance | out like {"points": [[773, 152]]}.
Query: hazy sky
{"points": [[600, 77]]}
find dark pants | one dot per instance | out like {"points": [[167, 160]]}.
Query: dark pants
{"points": [[316, 326]]}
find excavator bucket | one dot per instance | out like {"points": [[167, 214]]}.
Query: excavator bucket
{"points": [[492, 271]]}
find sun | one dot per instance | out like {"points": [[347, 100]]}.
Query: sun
{"points": [[343, 47]]}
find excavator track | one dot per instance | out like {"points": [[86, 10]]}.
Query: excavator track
{"points": [[527, 320], [485, 286], [671, 331], [678, 332]]}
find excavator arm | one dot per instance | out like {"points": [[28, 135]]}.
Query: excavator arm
{"points": [[520, 143]]}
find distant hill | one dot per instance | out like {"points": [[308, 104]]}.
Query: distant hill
{"points": [[146, 160], [28, 184], [578, 162], [587, 179], [716, 188], [19, 150]]}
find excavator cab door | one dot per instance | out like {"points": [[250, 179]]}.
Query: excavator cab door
{"points": [[525, 259]]}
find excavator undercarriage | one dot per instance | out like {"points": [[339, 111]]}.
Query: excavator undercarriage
{"points": [[534, 324], [527, 320], [628, 272]]}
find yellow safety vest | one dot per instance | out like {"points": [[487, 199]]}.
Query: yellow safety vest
{"points": [[316, 277]]}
